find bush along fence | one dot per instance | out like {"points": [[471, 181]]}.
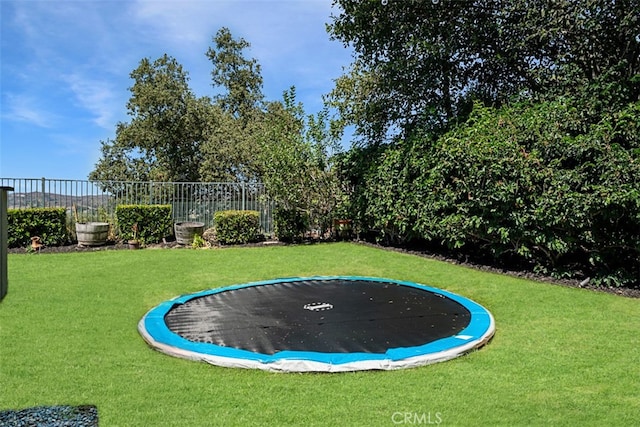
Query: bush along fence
{"points": [[144, 223], [86, 201], [237, 227], [49, 224]]}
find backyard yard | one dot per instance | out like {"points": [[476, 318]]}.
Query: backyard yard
{"points": [[68, 336]]}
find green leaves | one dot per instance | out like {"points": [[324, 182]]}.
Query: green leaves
{"points": [[528, 183], [162, 140], [239, 76], [147, 223], [237, 227], [50, 224], [291, 224], [174, 136], [295, 156], [420, 65]]}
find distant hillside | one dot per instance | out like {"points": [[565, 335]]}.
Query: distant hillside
{"points": [[37, 199]]}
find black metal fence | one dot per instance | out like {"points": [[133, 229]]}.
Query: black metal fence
{"points": [[97, 200]]}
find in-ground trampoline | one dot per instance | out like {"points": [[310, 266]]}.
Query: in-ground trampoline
{"points": [[328, 324]]}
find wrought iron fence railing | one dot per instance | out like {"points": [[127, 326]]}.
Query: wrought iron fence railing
{"points": [[97, 200]]}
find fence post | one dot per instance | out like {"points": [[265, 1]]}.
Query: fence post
{"points": [[243, 197], [4, 285], [43, 188]]}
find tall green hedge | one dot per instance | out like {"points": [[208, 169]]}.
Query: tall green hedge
{"points": [[154, 222], [237, 227], [534, 184], [50, 224]]}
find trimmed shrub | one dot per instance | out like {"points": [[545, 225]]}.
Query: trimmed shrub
{"points": [[237, 227], [154, 222], [50, 224], [290, 224]]}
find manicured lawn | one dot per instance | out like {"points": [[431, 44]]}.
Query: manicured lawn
{"points": [[68, 335]]}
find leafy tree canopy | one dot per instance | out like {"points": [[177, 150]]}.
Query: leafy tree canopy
{"points": [[296, 151], [174, 136], [165, 128], [234, 136], [421, 63], [239, 76]]}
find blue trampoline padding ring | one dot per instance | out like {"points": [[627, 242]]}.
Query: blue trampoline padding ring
{"points": [[319, 324]]}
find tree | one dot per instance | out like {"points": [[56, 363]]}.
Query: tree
{"points": [[541, 172], [239, 76], [162, 140], [585, 49], [174, 136], [529, 183], [295, 152], [415, 64], [420, 64], [229, 148]]}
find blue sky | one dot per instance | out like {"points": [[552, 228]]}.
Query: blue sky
{"points": [[65, 66]]}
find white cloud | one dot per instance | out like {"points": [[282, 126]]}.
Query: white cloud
{"points": [[24, 108], [72, 54], [277, 30], [98, 97], [177, 25]]}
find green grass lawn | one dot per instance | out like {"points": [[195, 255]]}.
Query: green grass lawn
{"points": [[560, 356]]}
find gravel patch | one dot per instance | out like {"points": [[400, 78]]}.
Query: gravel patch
{"points": [[51, 416]]}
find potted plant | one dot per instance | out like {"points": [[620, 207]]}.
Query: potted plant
{"points": [[185, 231], [90, 233], [134, 243]]}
